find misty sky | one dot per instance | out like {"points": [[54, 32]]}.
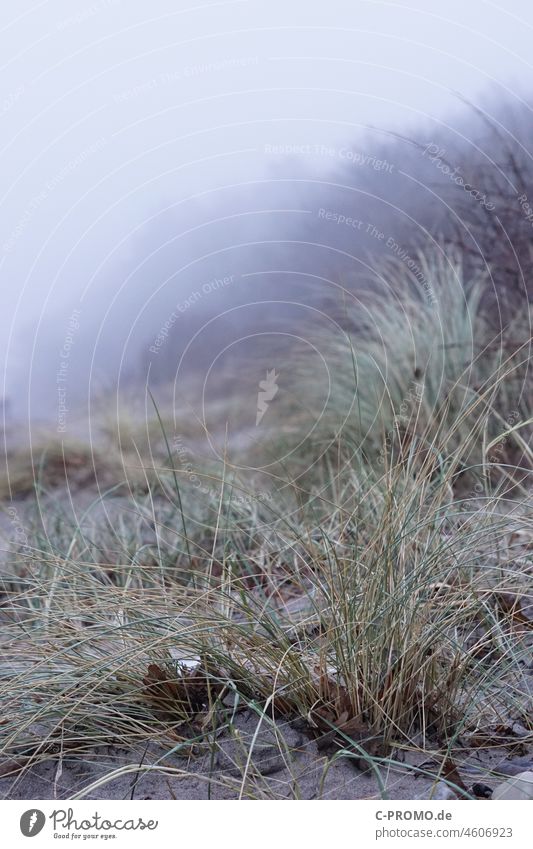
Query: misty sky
{"points": [[115, 110]]}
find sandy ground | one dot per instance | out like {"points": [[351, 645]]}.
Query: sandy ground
{"points": [[297, 771], [284, 763]]}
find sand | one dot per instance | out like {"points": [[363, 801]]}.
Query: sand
{"points": [[285, 763]]}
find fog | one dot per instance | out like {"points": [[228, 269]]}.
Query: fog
{"points": [[170, 164]]}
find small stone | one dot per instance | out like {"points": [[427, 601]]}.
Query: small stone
{"points": [[516, 765], [518, 787], [442, 791], [519, 731], [265, 759]]}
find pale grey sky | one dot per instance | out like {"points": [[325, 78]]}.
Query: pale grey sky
{"points": [[113, 109]]}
